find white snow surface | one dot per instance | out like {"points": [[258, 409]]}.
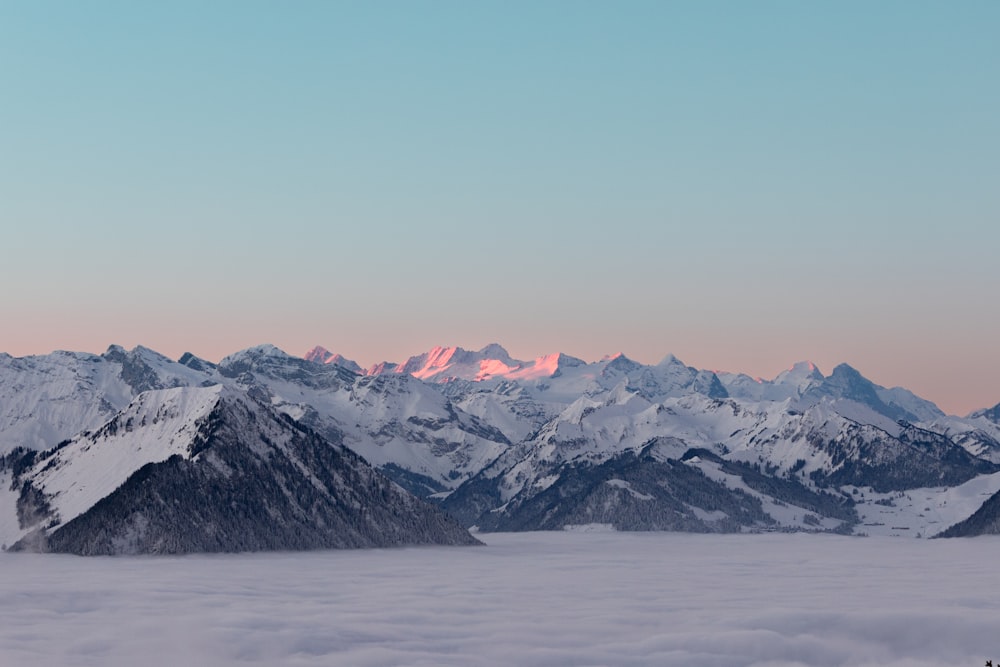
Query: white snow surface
{"points": [[50, 398], [530, 599], [923, 512], [383, 419], [154, 427], [46, 399]]}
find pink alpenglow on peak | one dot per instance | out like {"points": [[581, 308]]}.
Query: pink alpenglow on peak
{"points": [[490, 368], [443, 364], [546, 366], [319, 354], [382, 367], [428, 365], [448, 363]]}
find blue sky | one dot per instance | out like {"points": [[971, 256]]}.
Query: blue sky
{"points": [[741, 184]]}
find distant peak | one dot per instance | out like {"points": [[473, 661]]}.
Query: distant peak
{"points": [[319, 354], [845, 369], [801, 374], [257, 352], [567, 360], [431, 363], [669, 360], [805, 369], [382, 367], [618, 363], [495, 351], [266, 348], [143, 351]]}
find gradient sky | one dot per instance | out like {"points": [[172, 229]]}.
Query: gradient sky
{"points": [[741, 184]]}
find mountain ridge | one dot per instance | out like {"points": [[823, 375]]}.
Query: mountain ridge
{"points": [[209, 469], [509, 443]]}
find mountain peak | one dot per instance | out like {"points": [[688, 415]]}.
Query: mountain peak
{"points": [[191, 361], [495, 351], [620, 363], [257, 352], [992, 414], [846, 370], [804, 367], [321, 355], [801, 374], [669, 360], [429, 364]]}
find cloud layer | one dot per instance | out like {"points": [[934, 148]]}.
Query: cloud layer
{"points": [[526, 599]]}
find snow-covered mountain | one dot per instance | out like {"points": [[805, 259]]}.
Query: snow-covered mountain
{"points": [[206, 469], [545, 443], [806, 384], [321, 355], [554, 377], [399, 424], [46, 399], [804, 455]]}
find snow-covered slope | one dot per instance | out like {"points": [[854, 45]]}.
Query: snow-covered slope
{"points": [[154, 427], [46, 399]]}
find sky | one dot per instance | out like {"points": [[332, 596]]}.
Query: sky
{"points": [[743, 185], [531, 599]]}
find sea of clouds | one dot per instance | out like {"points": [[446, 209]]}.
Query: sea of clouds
{"points": [[578, 598]]}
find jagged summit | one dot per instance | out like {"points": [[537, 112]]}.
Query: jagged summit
{"points": [[321, 355], [495, 351], [801, 376], [318, 354], [801, 369], [668, 360], [191, 361], [492, 362], [619, 363], [255, 352], [992, 414]]}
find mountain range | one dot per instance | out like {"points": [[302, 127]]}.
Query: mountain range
{"points": [[106, 453]]}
